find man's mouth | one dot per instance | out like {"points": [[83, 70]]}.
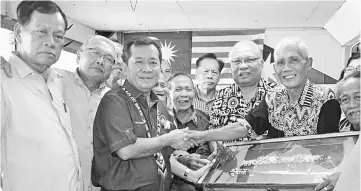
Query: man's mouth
{"points": [[289, 76], [183, 102], [244, 74], [159, 94], [146, 78], [99, 69], [209, 83], [49, 53]]}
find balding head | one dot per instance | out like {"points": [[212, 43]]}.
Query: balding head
{"points": [[241, 46]]}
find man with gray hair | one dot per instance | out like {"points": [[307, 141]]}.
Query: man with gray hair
{"points": [[296, 108], [235, 101]]}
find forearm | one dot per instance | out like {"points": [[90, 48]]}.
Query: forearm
{"points": [[179, 169], [228, 132], [143, 147]]}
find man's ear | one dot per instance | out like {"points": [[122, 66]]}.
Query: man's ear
{"points": [[17, 30], [261, 62], [77, 56], [309, 63]]}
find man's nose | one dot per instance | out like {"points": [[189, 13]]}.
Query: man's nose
{"points": [[49, 41]]}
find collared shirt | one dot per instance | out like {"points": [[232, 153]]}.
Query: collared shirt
{"points": [[200, 104], [230, 106], [83, 105], [316, 112], [199, 121], [39, 151], [118, 124], [345, 126]]}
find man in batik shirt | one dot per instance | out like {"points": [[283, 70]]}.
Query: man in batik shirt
{"points": [[298, 107], [235, 101]]}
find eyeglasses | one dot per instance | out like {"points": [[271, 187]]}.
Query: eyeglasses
{"points": [[96, 54], [346, 99], [249, 61], [351, 69]]}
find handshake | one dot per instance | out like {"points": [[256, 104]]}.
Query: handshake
{"points": [[184, 139]]}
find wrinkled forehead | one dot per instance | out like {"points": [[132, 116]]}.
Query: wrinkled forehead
{"points": [[102, 46], [182, 81], [289, 50], [350, 86], [244, 50]]}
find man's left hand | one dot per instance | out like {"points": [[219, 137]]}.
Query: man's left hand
{"points": [[329, 182]]}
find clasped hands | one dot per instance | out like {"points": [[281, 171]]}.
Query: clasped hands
{"points": [[184, 139]]}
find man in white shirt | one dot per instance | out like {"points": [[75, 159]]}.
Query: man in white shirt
{"points": [[38, 149]]}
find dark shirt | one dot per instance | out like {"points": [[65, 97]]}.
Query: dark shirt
{"points": [[316, 112], [199, 121], [118, 124]]}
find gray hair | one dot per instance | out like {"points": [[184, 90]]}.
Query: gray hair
{"points": [[338, 88], [293, 42], [245, 43], [100, 38]]}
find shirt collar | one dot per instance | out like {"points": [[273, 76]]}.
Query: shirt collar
{"points": [[24, 69], [136, 93], [80, 81], [192, 118], [260, 90], [199, 97], [307, 94]]}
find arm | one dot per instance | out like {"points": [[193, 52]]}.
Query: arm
{"points": [[193, 176], [113, 125], [144, 147], [228, 132], [329, 117]]}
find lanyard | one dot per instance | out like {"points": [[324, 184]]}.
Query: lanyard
{"points": [[142, 115]]}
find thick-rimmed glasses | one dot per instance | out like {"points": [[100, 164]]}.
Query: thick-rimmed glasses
{"points": [[248, 60], [96, 54]]}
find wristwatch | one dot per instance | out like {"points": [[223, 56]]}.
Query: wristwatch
{"points": [[186, 173]]}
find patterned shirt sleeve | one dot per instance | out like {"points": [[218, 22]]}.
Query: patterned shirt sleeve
{"points": [[213, 116], [329, 117]]}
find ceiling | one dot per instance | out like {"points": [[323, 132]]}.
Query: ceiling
{"points": [[199, 15]]}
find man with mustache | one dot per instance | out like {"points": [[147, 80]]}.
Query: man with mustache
{"points": [[130, 150], [38, 150], [234, 102], [208, 74]]}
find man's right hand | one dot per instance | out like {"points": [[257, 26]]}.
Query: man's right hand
{"points": [[177, 139], [6, 67]]}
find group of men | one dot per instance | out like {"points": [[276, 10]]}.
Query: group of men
{"points": [[89, 130]]}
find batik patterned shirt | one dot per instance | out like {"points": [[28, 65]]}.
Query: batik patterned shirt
{"points": [[316, 112], [230, 106]]}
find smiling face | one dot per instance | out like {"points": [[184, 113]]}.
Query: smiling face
{"points": [[41, 40], [291, 68], [143, 67], [350, 100], [166, 69], [181, 92], [208, 74], [246, 64], [96, 60], [161, 89]]}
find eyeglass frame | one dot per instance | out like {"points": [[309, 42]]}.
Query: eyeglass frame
{"points": [[96, 54], [251, 63], [352, 68]]}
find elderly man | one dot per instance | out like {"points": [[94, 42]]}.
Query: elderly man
{"points": [[208, 74], [235, 102], [130, 153], [83, 91], [296, 108], [348, 173], [38, 148], [166, 69], [181, 94]]}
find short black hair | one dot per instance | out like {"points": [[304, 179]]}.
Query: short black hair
{"points": [[139, 41], [26, 8], [210, 56], [354, 56], [179, 74]]}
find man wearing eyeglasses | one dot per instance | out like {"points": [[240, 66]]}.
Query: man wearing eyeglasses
{"points": [[83, 90], [235, 101]]}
